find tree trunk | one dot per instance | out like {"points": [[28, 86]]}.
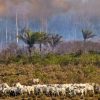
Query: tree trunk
{"points": [[29, 50], [84, 50], [40, 46]]}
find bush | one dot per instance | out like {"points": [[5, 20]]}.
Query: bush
{"points": [[89, 59], [52, 59]]}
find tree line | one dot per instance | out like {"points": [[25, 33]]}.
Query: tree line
{"points": [[31, 38]]}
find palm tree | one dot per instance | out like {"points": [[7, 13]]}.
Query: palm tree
{"points": [[54, 40], [87, 34], [41, 38], [29, 38]]}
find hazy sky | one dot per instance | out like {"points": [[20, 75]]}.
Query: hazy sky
{"points": [[66, 17], [49, 7]]}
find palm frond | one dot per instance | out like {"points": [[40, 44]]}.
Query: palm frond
{"points": [[87, 34], [21, 37]]}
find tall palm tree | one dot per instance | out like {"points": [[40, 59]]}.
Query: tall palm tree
{"points": [[41, 38], [87, 34], [54, 40], [29, 38]]}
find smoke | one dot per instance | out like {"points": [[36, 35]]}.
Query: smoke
{"points": [[3, 8], [86, 14], [33, 8], [44, 9], [86, 7], [81, 11]]}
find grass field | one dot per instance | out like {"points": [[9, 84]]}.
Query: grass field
{"points": [[48, 74], [50, 69]]}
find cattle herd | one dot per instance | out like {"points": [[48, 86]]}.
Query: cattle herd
{"points": [[51, 89]]}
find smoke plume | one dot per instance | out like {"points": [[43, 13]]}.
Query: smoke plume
{"points": [[33, 8]]}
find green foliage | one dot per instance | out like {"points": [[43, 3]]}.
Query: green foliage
{"points": [[28, 37], [41, 38], [67, 59], [36, 58], [54, 59], [89, 59], [51, 59]]}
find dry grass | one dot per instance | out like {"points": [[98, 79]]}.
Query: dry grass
{"points": [[13, 73], [24, 74]]}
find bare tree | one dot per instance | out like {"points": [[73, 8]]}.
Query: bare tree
{"points": [[17, 26], [54, 40]]}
